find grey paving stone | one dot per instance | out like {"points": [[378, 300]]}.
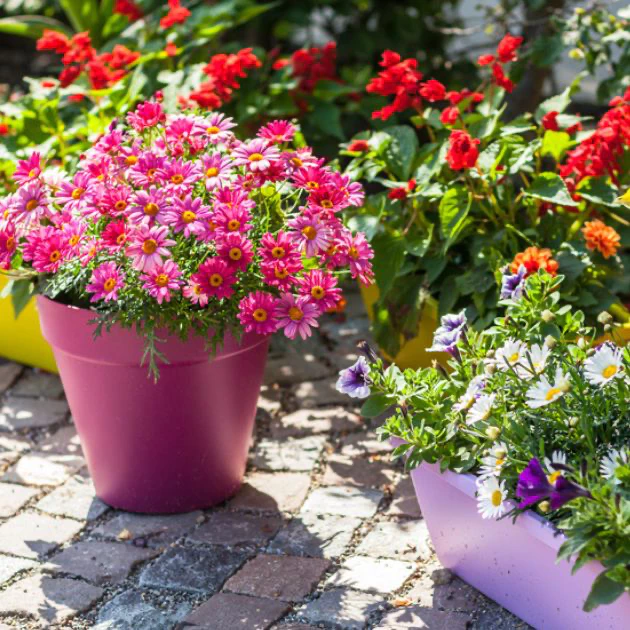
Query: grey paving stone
{"points": [[269, 399], [64, 441], [26, 413], [13, 497], [99, 562], [40, 469], [374, 575], [315, 535], [9, 566], [343, 500], [75, 498], [48, 600], [364, 443], [154, 530], [38, 384], [288, 578], [280, 492], [131, 610], [320, 394], [8, 374], [232, 528], [360, 471], [313, 421], [342, 608], [288, 626], [14, 443], [295, 368], [292, 454], [6, 459], [404, 502], [229, 610], [420, 617], [402, 540], [32, 535], [196, 570]]}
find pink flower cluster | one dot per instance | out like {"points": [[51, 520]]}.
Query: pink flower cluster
{"points": [[176, 209]]}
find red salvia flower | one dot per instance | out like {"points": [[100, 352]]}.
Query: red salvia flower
{"points": [[129, 9], [311, 65], [462, 151], [53, 40], [506, 50], [177, 14], [432, 90], [500, 78]]}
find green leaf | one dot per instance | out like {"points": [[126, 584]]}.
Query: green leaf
{"points": [[375, 405], [400, 153], [550, 187], [598, 190], [32, 26], [21, 293], [555, 143], [82, 14], [556, 103], [418, 244], [389, 257], [327, 118], [603, 591], [454, 208]]}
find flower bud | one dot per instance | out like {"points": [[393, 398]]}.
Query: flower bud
{"points": [[547, 316], [576, 53], [493, 432], [605, 318], [582, 343], [490, 354], [490, 369], [544, 506], [550, 342], [573, 421]]}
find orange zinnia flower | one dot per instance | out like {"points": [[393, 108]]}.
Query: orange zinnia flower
{"points": [[534, 259], [601, 237]]}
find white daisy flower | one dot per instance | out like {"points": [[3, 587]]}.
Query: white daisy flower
{"points": [[605, 365], [545, 392], [612, 461], [491, 496], [512, 352], [493, 463], [481, 409], [536, 358], [557, 457], [467, 399]]}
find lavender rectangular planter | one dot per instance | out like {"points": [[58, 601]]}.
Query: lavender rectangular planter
{"points": [[513, 564]]}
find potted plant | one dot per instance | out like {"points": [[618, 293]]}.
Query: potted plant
{"points": [[465, 192], [174, 251], [519, 453]]}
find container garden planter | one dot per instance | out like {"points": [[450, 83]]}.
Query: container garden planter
{"points": [[512, 563]]}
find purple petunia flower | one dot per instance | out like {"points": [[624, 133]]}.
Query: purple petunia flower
{"points": [[565, 491], [513, 285], [355, 380], [451, 330]]}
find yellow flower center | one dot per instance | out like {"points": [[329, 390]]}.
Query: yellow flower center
{"points": [[235, 253], [280, 273], [109, 284], [216, 280], [121, 239], [131, 159], [151, 209], [151, 173], [353, 252], [32, 172], [31, 204], [552, 393], [161, 280], [310, 232], [54, 256], [278, 252], [496, 498], [77, 192], [188, 216], [312, 185], [327, 203], [318, 292], [233, 225], [256, 157], [260, 315], [609, 371], [213, 171], [514, 357], [295, 314], [10, 243], [296, 161], [149, 246], [74, 240], [213, 130], [177, 179], [120, 205], [553, 476], [500, 461]]}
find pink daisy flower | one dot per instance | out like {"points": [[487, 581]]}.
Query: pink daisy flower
{"points": [[353, 191], [321, 287], [189, 216], [195, 294], [179, 176], [217, 127], [278, 131], [311, 177], [74, 232], [231, 197], [328, 199], [28, 169], [278, 274], [161, 280], [357, 253], [148, 246], [105, 283], [8, 245], [256, 312], [115, 200], [235, 249], [115, 236], [280, 248], [144, 172], [180, 129], [216, 170], [49, 252], [29, 203], [148, 206], [75, 194], [147, 114], [297, 315], [235, 219], [311, 234], [256, 155], [215, 277], [294, 160]]}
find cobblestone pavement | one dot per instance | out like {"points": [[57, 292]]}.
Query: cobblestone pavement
{"points": [[326, 531]]}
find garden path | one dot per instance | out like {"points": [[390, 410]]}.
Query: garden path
{"points": [[326, 531]]}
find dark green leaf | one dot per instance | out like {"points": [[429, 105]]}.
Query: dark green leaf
{"points": [[603, 591], [375, 405], [21, 293], [400, 153], [389, 256], [550, 187]]}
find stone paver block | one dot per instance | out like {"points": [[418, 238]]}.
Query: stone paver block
{"points": [[64, 441], [269, 399], [196, 570], [99, 562], [364, 443], [280, 492], [319, 394], [342, 608], [343, 500], [288, 578], [232, 528], [26, 413], [6, 459], [14, 443], [285, 626], [403, 540], [9, 566], [13, 497], [315, 535], [39, 469], [8, 374], [76, 499], [37, 384], [229, 610], [358, 471], [312, 421], [295, 368], [153, 530], [404, 502], [414, 617], [372, 575], [32, 535], [131, 610], [50, 600], [296, 455]]}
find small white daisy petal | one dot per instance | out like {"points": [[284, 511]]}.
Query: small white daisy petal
{"points": [[609, 464], [605, 365], [491, 496], [533, 362], [545, 392], [481, 409], [512, 352]]}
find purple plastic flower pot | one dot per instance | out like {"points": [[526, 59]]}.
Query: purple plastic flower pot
{"points": [[513, 564], [173, 446]]}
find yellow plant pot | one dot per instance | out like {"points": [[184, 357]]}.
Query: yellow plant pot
{"points": [[21, 339], [413, 353]]}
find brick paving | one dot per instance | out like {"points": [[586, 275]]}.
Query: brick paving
{"points": [[325, 532]]}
